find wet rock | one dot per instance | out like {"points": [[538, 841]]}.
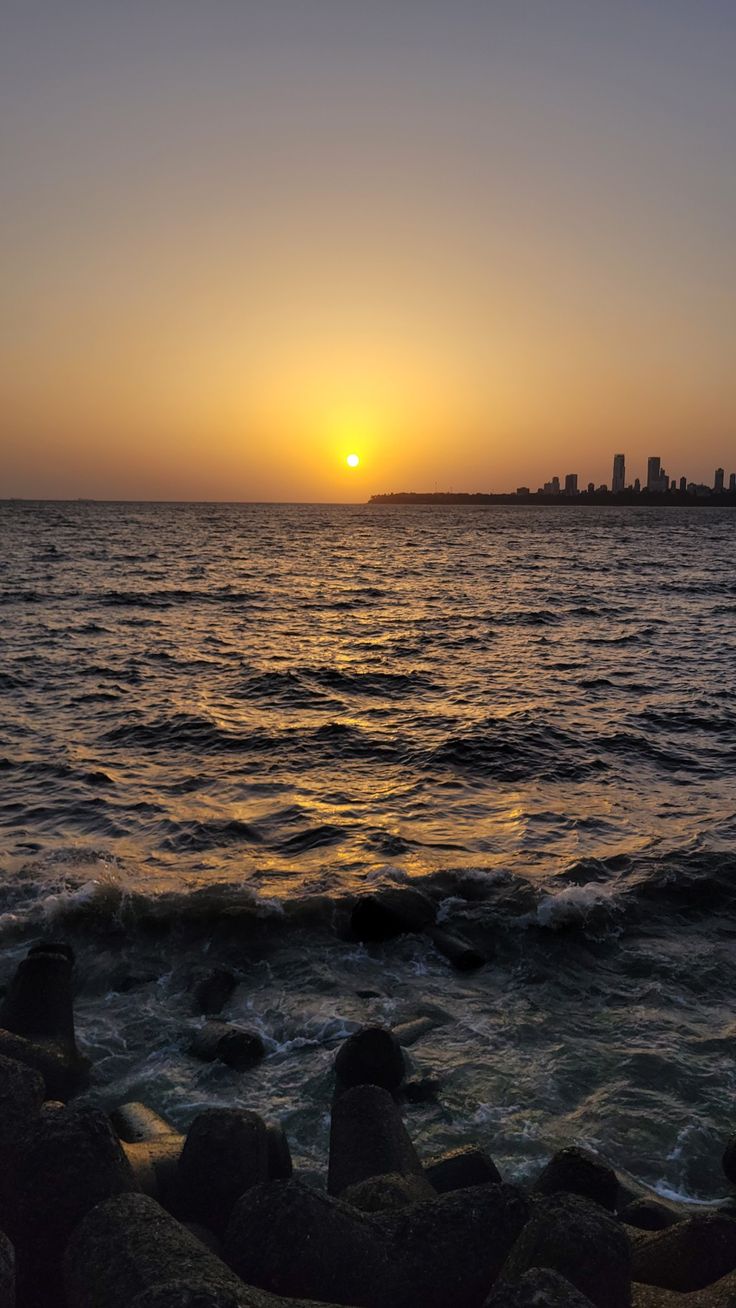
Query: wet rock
{"points": [[291, 1240], [53, 947], [154, 1164], [407, 1033], [7, 1272], [368, 1138], [371, 1056], [456, 950], [68, 1162], [422, 1090], [135, 1122], [225, 1043], [39, 1002], [538, 1288], [63, 1072], [387, 1194], [688, 1256], [280, 1166], [648, 1215], [213, 990], [225, 1153], [390, 913], [459, 1168], [576, 1238], [577, 1171]]}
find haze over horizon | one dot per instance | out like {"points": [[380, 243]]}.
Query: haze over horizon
{"points": [[476, 244]]}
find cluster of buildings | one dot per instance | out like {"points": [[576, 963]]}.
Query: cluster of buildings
{"points": [[658, 482]]}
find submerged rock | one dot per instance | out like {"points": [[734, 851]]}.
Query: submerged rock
{"points": [[391, 912], [222, 1042]]}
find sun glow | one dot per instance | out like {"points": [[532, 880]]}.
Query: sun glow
{"points": [[352, 460]]}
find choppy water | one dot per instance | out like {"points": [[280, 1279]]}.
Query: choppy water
{"points": [[221, 723]]}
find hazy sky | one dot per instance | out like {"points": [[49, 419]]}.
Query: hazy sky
{"points": [[477, 242]]}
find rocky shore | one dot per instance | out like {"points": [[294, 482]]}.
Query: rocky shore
{"points": [[124, 1211]]}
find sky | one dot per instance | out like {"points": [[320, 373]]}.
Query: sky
{"points": [[476, 243]]}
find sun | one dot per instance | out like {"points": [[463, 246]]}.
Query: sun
{"points": [[352, 460]]}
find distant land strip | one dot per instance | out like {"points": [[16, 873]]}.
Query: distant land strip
{"points": [[663, 499]]}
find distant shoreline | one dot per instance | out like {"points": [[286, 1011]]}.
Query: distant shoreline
{"points": [[669, 500]]}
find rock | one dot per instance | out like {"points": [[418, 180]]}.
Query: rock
{"points": [[422, 1090], [7, 1273], [180, 1294], [387, 1194], [53, 947], [154, 1164], [578, 1239], [225, 1153], [64, 1073], [648, 1215], [39, 1002], [371, 1056], [577, 1171], [22, 1092], [456, 950], [129, 1247], [135, 1122], [291, 1240], [407, 1033], [280, 1166], [225, 1043], [368, 1138], [389, 913], [729, 1160], [538, 1288], [213, 990], [688, 1256], [459, 1168], [68, 1162]]}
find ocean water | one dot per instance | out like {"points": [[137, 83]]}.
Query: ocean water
{"points": [[221, 723]]}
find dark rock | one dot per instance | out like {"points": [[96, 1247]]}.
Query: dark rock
{"points": [[39, 1002], [280, 1166], [689, 1255], [205, 1237], [577, 1171], [456, 950], [390, 913], [129, 1246], [291, 1240], [64, 1072], [225, 1153], [648, 1215], [459, 1168], [371, 1056], [154, 1164], [368, 1138], [729, 1160], [213, 990], [578, 1239], [22, 1092], [7, 1273], [224, 1043], [135, 1122], [538, 1288], [53, 947], [387, 1194], [68, 1162]]}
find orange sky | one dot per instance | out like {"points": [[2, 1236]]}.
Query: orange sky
{"points": [[478, 244]]}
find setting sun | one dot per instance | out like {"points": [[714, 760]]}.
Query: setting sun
{"points": [[352, 460]]}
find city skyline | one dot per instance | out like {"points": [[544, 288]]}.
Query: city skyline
{"points": [[241, 242]]}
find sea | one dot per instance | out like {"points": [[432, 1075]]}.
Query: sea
{"points": [[222, 723]]}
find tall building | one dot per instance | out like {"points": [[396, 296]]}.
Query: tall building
{"points": [[619, 473], [683, 483], [571, 483], [555, 484], [654, 473], [732, 482], [718, 483]]}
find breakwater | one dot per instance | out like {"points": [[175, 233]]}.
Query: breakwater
{"points": [[125, 1211]]}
